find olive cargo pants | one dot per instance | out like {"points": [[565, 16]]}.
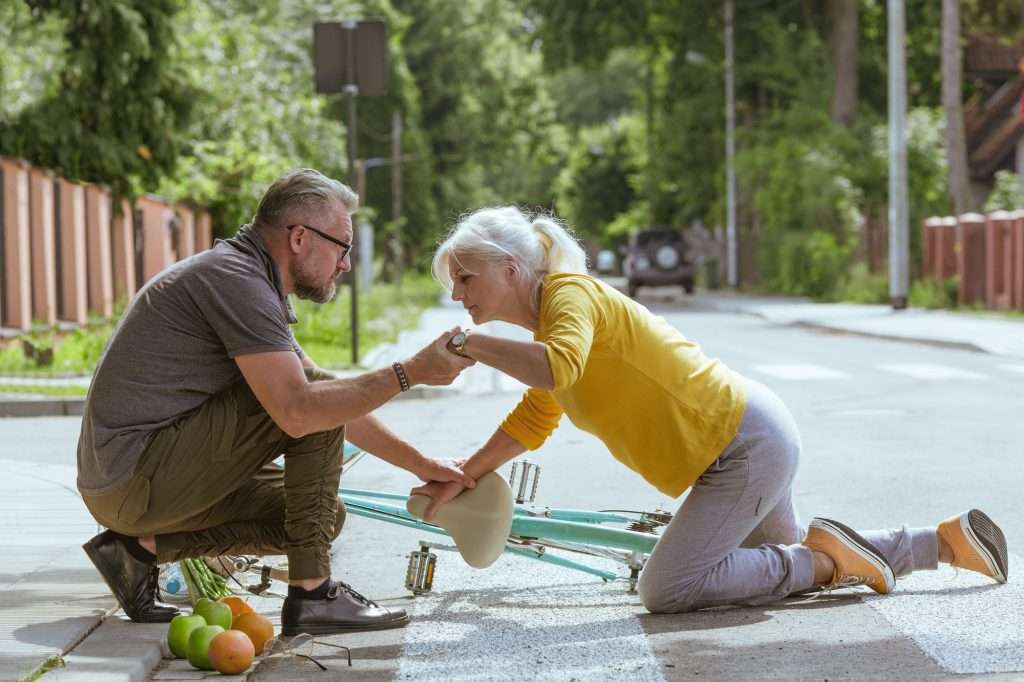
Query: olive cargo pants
{"points": [[207, 486]]}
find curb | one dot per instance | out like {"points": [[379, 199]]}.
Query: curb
{"points": [[31, 406], [939, 343], [115, 651]]}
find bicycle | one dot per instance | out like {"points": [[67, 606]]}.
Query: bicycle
{"points": [[626, 537]]}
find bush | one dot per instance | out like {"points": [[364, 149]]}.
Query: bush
{"points": [[1007, 194], [929, 293], [810, 264], [862, 286]]}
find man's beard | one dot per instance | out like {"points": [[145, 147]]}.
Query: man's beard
{"points": [[306, 288]]}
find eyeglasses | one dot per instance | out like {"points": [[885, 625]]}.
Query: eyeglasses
{"points": [[345, 246]]}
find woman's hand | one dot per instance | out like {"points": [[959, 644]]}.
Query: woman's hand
{"points": [[443, 471], [439, 494]]}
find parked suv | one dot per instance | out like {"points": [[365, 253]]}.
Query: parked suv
{"points": [[658, 257]]}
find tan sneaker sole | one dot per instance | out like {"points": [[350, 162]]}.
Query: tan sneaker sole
{"points": [[978, 544], [853, 555]]}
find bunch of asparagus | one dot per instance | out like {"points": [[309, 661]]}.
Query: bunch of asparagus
{"points": [[201, 581]]}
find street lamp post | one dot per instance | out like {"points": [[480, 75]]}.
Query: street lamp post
{"points": [[732, 264], [899, 236]]}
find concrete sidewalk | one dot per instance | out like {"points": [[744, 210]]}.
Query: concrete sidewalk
{"points": [[51, 597], [988, 333]]}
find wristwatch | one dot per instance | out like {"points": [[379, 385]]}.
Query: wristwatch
{"points": [[457, 344]]}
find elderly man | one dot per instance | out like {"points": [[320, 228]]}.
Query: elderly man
{"points": [[203, 385]]}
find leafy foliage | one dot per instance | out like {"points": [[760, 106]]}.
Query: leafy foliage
{"points": [[609, 112], [1008, 195], [106, 119]]}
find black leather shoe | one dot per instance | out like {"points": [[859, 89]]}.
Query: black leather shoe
{"points": [[132, 581], [344, 610]]}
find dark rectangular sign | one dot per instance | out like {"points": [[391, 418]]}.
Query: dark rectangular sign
{"points": [[366, 44]]}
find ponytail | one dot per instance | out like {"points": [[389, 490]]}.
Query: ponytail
{"points": [[562, 253]]}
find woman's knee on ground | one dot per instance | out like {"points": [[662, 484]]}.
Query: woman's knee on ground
{"points": [[661, 594]]}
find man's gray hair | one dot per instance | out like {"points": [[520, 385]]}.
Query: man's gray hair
{"points": [[300, 191]]}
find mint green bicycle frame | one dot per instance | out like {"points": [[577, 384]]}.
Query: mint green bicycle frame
{"points": [[579, 530], [534, 530]]}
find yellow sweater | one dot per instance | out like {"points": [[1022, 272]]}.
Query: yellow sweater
{"points": [[662, 407]]}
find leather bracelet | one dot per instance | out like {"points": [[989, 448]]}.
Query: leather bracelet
{"points": [[403, 380]]}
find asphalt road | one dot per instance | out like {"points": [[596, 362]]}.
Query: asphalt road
{"points": [[893, 433]]}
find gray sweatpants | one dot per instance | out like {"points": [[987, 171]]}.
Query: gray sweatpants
{"points": [[735, 539]]}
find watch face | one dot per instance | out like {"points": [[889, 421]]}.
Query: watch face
{"points": [[459, 339]]}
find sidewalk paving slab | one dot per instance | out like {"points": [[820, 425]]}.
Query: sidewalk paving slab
{"points": [[51, 597], [116, 651]]}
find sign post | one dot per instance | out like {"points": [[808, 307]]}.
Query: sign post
{"points": [[351, 57]]}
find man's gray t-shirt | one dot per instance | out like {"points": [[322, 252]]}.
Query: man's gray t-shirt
{"points": [[174, 349]]}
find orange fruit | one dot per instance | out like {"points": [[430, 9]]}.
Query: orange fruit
{"points": [[231, 652], [238, 605], [257, 626]]}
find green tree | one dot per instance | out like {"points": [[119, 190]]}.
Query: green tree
{"points": [[486, 112], [120, 103], [598, 183]]}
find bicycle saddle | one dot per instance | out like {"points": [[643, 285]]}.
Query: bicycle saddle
{"points": [[479, 520]]}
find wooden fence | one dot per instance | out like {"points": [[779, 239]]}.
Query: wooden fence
{"points": [[67, 250]]}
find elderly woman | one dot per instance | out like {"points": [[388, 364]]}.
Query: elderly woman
{"points": [[679, 418]]}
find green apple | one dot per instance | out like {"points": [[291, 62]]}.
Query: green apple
{"points": [[179, 630], [214, 612], [199, 646]]}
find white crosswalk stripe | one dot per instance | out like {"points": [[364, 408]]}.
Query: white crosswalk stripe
{"points": [[926, 371], [800, 372]]}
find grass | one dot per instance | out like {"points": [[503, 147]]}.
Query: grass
{"points": [[54, 390], [52, 663], [75, 353], [325, 331]]}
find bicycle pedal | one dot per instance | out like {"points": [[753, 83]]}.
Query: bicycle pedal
{"points": [[525, 476], [419, 575]]}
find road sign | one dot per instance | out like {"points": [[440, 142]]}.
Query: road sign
{"points": [[351, 53], [351, 57]]}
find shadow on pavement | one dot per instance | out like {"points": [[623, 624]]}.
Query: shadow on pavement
{"points": [[58, 634], [848, 640]]}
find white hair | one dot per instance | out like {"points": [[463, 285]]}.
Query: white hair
{"points": [[533, 245]]}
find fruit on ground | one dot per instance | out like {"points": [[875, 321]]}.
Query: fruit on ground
{"points": [[238, 605], [231, 652], [258, 627], [199, 645], [215, 613], [179, 630]]}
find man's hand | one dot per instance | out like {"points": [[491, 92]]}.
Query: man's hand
{"points": [[434, 364], [439, 494], [441, 471]]}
